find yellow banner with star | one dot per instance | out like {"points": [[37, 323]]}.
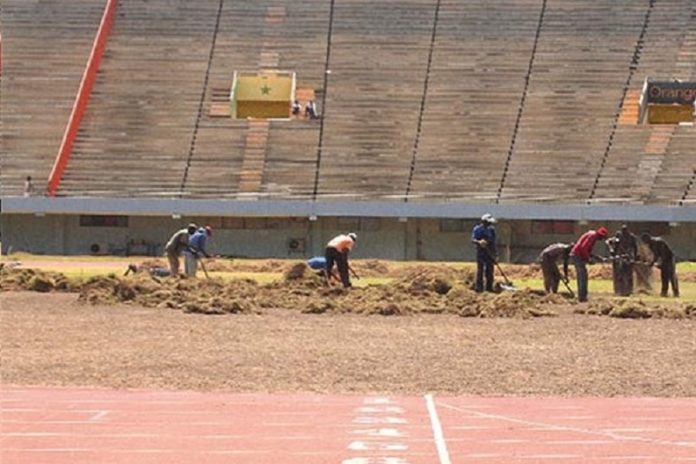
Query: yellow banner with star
{"points": [[264, 87], [262, 94]]}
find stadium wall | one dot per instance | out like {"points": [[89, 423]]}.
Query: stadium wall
{"points": [[258, 236]]}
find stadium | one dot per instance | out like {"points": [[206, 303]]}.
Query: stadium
{"points": [[283, 123], [431, 114]]}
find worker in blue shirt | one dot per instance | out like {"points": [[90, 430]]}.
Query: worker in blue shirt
{"points": [[318, 263], [483, 236], [196, 249]]}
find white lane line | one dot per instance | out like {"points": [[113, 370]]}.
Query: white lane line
{"points": [[437, 430], [98, 416], [546, 426]]}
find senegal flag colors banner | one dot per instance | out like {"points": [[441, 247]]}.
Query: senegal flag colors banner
{"points": [[262, 94]]}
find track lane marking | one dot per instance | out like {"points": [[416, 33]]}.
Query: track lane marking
{"points": [[439, 437], [546, 426]]}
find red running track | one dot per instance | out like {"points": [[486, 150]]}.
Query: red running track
{"points": [[75, 426]]}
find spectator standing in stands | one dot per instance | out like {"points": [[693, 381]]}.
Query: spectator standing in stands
{"points": [[483, 236], [548, 259], [176, 246], [311, 110], [337, 251], [664, 258], [581, 253], [28, 187], [197, 249]]}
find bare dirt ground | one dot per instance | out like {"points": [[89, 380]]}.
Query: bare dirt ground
{"points": [[54, 339]]}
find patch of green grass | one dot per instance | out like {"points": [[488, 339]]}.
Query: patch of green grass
{"points": [[27, 257], [259, 277], [687, 290]]}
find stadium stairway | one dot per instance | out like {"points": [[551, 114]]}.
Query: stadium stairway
{"points": [[45, 49]]}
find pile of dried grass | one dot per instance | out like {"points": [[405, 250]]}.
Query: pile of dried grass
{"points": [[637, 309], [190, 295], [12, 279]]}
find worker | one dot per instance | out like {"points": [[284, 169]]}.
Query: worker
{"points": [[664, 258], [581, 254], [318, 263], [612, 244], [548, 259], [197, 249], [626, 255], [154, 271], [483, 236], [176, 246], [337, 251]]}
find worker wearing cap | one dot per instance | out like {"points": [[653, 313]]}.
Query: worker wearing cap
{"points": [[581, 253], [196, 248], [337, 251], [664, 257], [176, 246], [483, 236]]}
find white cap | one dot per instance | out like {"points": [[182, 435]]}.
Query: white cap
{"points": [[488, 218], [353, 236]]}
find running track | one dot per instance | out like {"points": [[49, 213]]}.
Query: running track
{"points": [[78, 426]]}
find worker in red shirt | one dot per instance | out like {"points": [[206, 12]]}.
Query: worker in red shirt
{"points": [[581, 254], [337, 251]]}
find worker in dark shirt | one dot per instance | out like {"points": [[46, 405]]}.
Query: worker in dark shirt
{"points": [[548, 258], [483, 236], [664, 258], [626, 254]]}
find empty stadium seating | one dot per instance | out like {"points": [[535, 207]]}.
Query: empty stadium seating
{"points": [[643, 164], [138, 129], [477, 78], [45, 49], [404, 114], [576, 86]]}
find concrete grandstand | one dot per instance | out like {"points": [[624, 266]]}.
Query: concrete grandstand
{"points": [[431, 113]]}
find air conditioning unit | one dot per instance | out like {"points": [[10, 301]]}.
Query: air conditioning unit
{"points": [[98, 248], [296, 245]]}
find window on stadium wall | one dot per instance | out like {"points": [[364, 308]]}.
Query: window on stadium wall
{"points": [[251, 223], [659, 229], [91, 220], [453, 225], [553, 228], [358, 224]]}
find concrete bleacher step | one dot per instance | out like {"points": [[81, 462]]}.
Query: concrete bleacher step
{"points": [[631, 108], [254, 156]]}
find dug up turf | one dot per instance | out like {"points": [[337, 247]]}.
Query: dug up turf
{"points": [[433, 289]]}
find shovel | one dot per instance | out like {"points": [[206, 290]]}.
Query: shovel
{"points": [[507, 285]]}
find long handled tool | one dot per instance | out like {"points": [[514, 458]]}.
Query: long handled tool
{"points": [[205, 271], [565, 282], [508, 285]]}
